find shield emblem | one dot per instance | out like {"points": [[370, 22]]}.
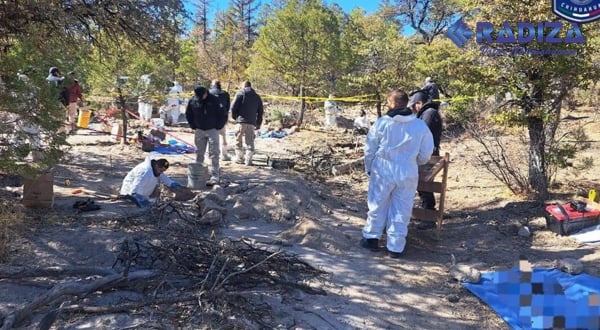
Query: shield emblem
{"points": [[579, 11]]}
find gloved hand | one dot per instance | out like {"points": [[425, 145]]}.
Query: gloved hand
{"points": [[175, 185], [140, 200]]}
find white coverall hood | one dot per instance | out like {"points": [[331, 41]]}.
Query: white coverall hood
{"points": [[394, 149], [141, 180]]}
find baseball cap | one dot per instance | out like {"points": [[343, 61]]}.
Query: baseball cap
{"points": [[418, 96]]}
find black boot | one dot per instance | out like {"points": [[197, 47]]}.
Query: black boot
{"points": [[370, 243]]}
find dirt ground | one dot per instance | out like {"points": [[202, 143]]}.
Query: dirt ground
{"points": [[318, 218]]}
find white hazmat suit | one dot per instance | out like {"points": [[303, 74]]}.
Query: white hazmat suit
{"points": [[174, 102], [332, 111], [395, 147], [144, 101], [141, 180]]}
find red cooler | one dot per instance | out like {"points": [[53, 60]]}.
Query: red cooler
{"points": [[564, 219]]}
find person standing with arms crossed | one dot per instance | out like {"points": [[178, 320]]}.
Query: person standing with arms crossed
{"points": [[247, 111], [395, 147]]}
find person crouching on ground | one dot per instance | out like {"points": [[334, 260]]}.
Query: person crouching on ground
{"points": [[206, 117], [141, 181], [361, 123], [395, 147]]}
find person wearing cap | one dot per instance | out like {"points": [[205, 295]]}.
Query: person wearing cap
{"points": [[427, 111], [206, 117], [395, 146], [141, 181], [224, 99]]}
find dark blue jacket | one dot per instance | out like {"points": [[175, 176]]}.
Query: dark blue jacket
{"points": [[205, 114], [247, 107], [431, 116]]}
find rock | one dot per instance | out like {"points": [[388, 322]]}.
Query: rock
{"points": [[183, 194], [524, 231], [464, 273], [569, 265], [216, 197], [208, 205], [243, 210], [212, 217], [453, 298]]}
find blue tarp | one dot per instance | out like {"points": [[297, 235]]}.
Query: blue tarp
{"points": [[174, 148], [541, 299], [272, 135]]}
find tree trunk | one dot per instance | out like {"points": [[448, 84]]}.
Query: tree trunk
{"points": [[537, 160], [123, 114], [302, 106]]}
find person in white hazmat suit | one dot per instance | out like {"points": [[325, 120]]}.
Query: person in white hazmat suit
{"points": [[332, 110], [396, 145], [174, 101], [144, 100], [141, 181]]}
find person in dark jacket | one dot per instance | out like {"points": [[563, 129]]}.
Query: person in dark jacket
{"points": [[247, 111], [206, 117], [427, 111], [433, 91], [224, 99]]}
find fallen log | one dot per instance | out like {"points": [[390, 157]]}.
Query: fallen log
{"points": [[54, 271], [348, 167], [72, 288]]}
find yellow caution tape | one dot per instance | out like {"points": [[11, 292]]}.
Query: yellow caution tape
{"points": [[368, 98]]}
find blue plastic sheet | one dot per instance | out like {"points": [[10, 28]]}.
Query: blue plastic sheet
{"points": [[174, 148], [542, 298]]}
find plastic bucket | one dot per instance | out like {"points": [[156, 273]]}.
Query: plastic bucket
{"points": [[197, 176], [84, 118]]}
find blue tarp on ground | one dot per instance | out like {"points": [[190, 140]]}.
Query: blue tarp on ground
{"points": [[174, 148], [541, 299]]}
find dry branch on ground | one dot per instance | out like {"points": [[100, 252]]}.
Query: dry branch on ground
{"points": [[175, 269]]}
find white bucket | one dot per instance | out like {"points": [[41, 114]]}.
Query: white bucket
{"points": [[197, 175]]}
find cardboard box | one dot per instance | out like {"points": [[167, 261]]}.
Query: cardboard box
{"points": [[39, 192]]}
